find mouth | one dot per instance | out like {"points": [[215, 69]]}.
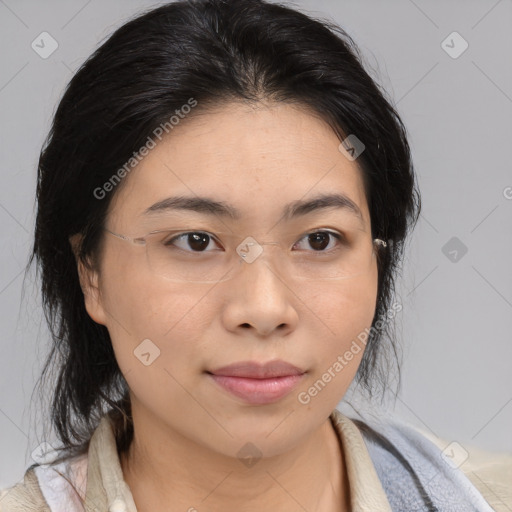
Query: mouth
{"points": [[257, 383]]}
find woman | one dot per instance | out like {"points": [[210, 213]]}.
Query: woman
{"points": [[223, 202]]}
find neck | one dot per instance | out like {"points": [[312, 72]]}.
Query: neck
{"points": [[162, 467]]}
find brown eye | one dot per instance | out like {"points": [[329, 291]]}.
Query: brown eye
{"points": [[319, 241], [194, 241]]}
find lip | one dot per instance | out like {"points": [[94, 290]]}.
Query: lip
{"points": [[256, 383], [255, 370]]}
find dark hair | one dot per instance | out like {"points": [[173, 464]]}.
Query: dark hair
{"points": [[212, 51]]}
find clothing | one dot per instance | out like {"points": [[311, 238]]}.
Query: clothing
{"points": [[391, 467]]}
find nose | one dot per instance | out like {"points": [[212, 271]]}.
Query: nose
{"points": [[260, 299]]}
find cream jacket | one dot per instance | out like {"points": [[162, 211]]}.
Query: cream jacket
{"points": [[96, 477]]}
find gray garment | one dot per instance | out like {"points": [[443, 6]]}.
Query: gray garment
{"points": [[413, 472]]}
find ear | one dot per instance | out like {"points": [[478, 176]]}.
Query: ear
{"points": [[89, 282]]}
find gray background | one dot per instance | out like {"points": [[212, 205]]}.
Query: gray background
{"points": [[457, 319]]}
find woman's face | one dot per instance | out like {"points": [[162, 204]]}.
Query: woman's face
{"points": [[257, 161]]}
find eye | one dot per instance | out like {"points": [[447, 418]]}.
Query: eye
{"points": [[320, 240], [198, 241]]}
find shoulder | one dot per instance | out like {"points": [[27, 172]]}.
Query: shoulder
{"points": [[47, 487], [489, 471], [413, 464], [62, 484], [23, 496]]}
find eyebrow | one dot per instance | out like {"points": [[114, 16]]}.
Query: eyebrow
{"points": [[292, 210]]}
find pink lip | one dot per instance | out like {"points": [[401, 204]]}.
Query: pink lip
{"points": [[257, 383]]}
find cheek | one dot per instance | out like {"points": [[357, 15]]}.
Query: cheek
{"points": [[172, 320], [344, 307], [343, 317], [140, 308], [159, 346]]}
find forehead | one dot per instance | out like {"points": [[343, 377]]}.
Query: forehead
{"points": [[260, 161]]}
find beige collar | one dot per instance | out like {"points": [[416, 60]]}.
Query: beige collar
{"points": [[107, 490], [366, 491]]}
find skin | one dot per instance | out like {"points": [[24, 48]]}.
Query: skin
{"points": [[187, 429]]}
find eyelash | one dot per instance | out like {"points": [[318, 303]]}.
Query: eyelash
{"points": [[338, 236]]}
